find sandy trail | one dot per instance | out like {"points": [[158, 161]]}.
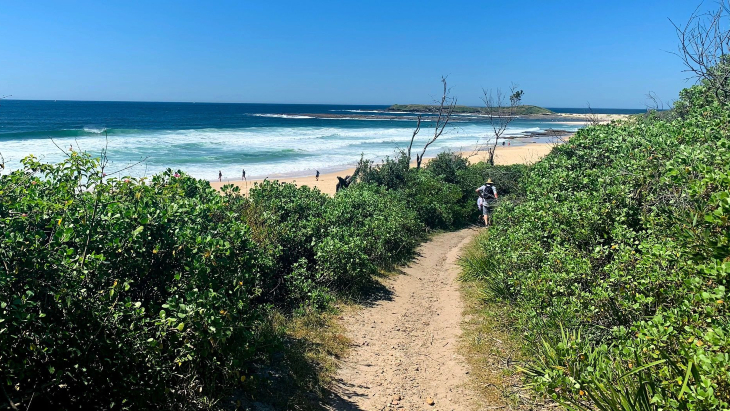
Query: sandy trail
{"points": [[405, 343]]}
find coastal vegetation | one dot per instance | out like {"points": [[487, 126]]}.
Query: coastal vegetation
{"points": [[608, 260], [614, 259], [521, 110], [608, 257], [163, 293]]}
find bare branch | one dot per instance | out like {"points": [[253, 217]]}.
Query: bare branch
{"points": [[415, 132], [654, 103], [500, 113], [704, 42], [130, 166], [446, 105], [59, 147], [593, 118]]}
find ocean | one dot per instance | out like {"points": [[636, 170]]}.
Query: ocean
{"points": [[268, 140]]}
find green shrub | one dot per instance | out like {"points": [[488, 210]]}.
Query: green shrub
{"points": [[507, 179], [443, 193], [448, 165], [124, 293], [380, 220], [392, 173], [288, 222], [622, 234], [438, 204], [159, 293]]}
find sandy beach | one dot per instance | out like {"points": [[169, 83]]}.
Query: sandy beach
{"points": [[505, 155], [572, 118]]}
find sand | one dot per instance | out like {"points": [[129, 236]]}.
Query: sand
{"points": [[571, 118], [405, 341], [505, 155]]}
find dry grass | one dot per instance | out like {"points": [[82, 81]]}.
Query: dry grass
{"points": [[304, 361], [322, 338], [493, 349]]}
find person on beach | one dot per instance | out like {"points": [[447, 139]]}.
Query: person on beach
{"points": [[243, 174], [316, 177], [220, 176], [488, 195]]}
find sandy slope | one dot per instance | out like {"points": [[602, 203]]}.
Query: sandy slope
{"points": [[528, 153], [405, 343]]}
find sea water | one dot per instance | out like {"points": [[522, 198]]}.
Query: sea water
{"points": [[201, 139]]}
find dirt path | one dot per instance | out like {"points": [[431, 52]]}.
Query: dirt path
{"points": [[404, 353]]}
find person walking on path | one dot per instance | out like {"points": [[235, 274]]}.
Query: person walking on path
{"points": [[317, 176], [220, 176], [489, 196]]}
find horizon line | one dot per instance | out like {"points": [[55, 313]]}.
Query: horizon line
{"points": [[292, 104]]}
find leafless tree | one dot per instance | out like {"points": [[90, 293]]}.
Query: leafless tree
{"points": [[500, 113], [593, 118], [413, 137], [704, 43], [446, 106], [653, 102]]}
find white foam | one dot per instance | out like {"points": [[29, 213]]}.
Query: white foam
{"points": [[294, 116], [262, 151], [360, 111]]}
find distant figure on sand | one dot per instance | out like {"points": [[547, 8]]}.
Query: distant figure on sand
{"points": [[243, 174], [220, 176], [503, 143], [71, 147], [488, 195], [317, 176]]}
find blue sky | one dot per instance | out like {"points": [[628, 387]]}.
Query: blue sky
{"points": [[562, 53]]}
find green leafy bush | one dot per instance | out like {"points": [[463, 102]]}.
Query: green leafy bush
{"points": [[287, 222], [443, 193], [380, 220], [153, 293], [124, 293], [448, 165], [622, 234], [392, 173]]}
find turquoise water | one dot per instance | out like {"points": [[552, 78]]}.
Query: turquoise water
{"points": [[201, 139]]}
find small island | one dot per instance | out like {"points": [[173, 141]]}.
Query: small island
{"points": [[523, 110]]}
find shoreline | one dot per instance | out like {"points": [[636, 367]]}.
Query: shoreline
{"points": [[567, 118], [526, 153]]}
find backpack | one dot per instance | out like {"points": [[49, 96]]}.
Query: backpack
{"points": [[488, 193]]}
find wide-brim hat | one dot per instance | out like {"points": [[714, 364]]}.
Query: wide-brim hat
{"points": [[489, 181]]}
